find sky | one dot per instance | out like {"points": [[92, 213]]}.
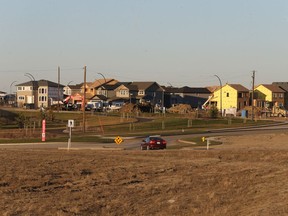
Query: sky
{"points": [[173, 42]]}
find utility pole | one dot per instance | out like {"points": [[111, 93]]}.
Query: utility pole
{"points": [[220, 94], [58, 107], [84, 99], [253, 86]]}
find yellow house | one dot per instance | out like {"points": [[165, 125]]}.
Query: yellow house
{"points": [[268, 93], [231, 96]]}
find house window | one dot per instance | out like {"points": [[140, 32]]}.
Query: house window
{"points": [[42, 91], [123, 92], [21, 98], [141, 92], [19, 88], [274, 95], [227, 94], [281, 95], [42, 98]]}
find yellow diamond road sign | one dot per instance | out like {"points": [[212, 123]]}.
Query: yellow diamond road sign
{"points": [[118, 140]]}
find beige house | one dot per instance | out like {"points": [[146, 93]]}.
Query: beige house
{"points": [[36, 94]]}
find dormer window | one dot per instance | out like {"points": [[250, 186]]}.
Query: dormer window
{"points": [[140, 92]]}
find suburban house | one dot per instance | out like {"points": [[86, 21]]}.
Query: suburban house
{"points": [[92, 88], [284, 87], [231, 96], [186, 95], [150, 92], [36, 94], [266, 95], [72, 89], [2, 97]]}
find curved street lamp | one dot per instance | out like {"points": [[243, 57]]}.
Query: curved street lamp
{"points": [[220, 94], [30, 76], [102, 76], [69, 83], [11, 86]]}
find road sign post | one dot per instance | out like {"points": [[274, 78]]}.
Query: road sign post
{"points": [[207, 140], [43, 130], [70, 125]]}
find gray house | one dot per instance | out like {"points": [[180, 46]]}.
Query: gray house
{"points": [[196, 97]]}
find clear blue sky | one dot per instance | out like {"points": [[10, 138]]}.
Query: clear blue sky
{"points": [[180, 42]]}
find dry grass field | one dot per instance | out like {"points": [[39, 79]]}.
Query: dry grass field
{"points": [[247, 175]]}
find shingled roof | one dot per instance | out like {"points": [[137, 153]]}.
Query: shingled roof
{"points": [[273, 88], [239, 87]]}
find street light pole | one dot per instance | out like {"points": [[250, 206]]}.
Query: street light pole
{"points": [[84, 101], [103, 77], [11, 86], [30, 76], [220, 94]]}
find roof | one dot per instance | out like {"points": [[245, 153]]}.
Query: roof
{"points": [[187, 90], [213, 88], [99, 97], [273, 88], [282, 85], [197, 90], [116, 85], [29, 83], [143, 85], [48, 83], [239, 88], [77, 86], [100, 82], [41, 83]]}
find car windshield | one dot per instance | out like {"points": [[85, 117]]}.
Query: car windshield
{"points": [[156, 138]]}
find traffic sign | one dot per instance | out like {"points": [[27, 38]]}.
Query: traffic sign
{"points": [[70, 123], [118, 140]]}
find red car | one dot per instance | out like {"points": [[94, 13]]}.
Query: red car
{"points": [[153, 142]]}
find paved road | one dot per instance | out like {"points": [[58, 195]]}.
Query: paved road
{"points": [[135, 142]]}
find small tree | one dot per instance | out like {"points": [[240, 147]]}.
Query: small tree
{"points": [[21, 119], [213, 112]]}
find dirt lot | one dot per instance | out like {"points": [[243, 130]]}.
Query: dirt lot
{"points": [[247, 175]]}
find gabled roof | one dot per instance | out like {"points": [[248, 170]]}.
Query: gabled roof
{"points": [[272, 88], [116, 85], [99, 82], [213, 88], [143, 85], [100, 97], [239, 88]]}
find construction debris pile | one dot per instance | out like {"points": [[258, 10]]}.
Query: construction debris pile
{"points": [[180, 109], [128, 108]]}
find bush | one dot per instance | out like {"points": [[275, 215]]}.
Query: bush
{"points": [[213, 112]]}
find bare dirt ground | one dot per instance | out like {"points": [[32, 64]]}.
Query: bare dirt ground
{"points": [[247, 175]]}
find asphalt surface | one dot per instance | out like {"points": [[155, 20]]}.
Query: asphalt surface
{"points": [[134, 142]]}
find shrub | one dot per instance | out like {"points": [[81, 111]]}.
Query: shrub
{"points": [[213, 112]]}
